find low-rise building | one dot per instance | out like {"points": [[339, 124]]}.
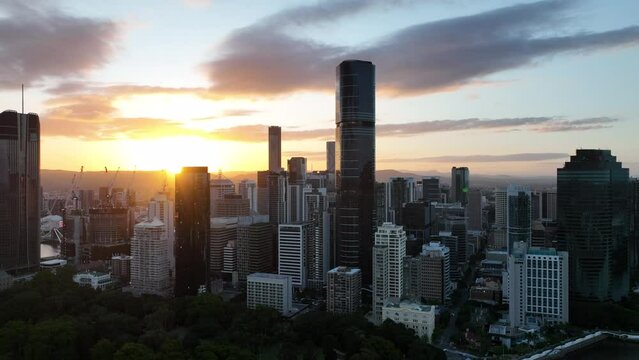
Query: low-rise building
{"points": [[270, 290], [413, 315], [96, 280]]}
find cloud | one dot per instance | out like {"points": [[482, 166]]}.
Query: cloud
{"points": [[38, 41], [264, 59], [484, 158]]}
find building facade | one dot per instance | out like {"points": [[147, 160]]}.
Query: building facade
{"points": [[459, 185], [254, 246], [270, 290], [150, 266], [292, 245], [355, 165], [394, 237], [416, 316], [343, 290]]}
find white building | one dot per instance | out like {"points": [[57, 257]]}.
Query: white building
{"points": [[394, 237], [537, 285], [380, 280], [162, 208], [96, 280], [413, 315], [150, 265], [292, 243], [270, 290], [343, 290]]}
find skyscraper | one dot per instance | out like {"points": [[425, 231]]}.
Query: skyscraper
{"points": [[296, 171], [292, 260], [162, 208], [355, 164], [192, 218], [254, 246], [219, 187], [318, 247], [459, 185], [150, 266], [518, 215], [593, 214], [430, 189], [248, 190], [394, 237], [277, 205], [330, 157], [474, 210], [343, 290], [19, 191], [274, 148]]}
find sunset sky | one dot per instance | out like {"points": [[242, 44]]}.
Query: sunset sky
{"points": [[504, 87]]}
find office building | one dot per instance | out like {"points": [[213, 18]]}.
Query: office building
{"points": [[274, 148], [230, 258], [263, 201], [219, 187], [231, 205], [518, 215], [593, 214], [277, 186], [87, 200], [19, 192], [330, 166], [415, 219], [382, 203], [292, 243], [121, 266], [430, 189], [164, 209], [192, 221], [318, 246], [399, 191], [254, 246], [222, 230], [270, 290], [343, 290], [296, 167], [459, 185], [294, 203], [109, 227], [380, 280], [549, 205], [394, 237], [150, 265], [474, 210], [427, 276], [248, 190], [537, 285], [414, 315], [355, 165]]}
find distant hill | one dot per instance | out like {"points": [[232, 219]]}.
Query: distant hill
{"points": [[146, 183]]}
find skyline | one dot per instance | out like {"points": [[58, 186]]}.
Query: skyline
{"points": [[478, 101]]}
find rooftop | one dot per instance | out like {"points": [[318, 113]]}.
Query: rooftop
{"points": [[409, 305], [345, 270], [269, 276]]}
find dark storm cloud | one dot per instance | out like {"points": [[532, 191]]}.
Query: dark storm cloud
{"points": [[484, 158], [38, 41], [263, 59]]}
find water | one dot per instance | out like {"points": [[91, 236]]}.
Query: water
{"points": [[609, 349], [47, 250]]}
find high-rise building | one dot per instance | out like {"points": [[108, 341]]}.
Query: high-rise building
{"points": [[399, 191], [474, 210], [277, 186], [459, 185], [416, 222], [330, 156], [222, 230], [109, 227], [87, 200], [430, 189], [380, 280], [19, 192], [162, 208], [318, 247], [355, 165], [296, 167], [343, 290], [150, 266], [270, 290], [633, 248], [220, 187], [549, 205], [192, 220], [248, 190], [254, 246], [274, 148], [518, 215], [537, 285], [231, 205], [292, 243], [294, 203], [593, 214], [427, 276], [394, 237], [263, 200]]}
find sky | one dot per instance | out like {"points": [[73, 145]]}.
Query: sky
{"points": [[503, 87]]}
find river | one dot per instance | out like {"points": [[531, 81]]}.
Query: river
{"points": [[609, 349]]}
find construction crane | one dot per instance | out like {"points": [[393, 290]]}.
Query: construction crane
{"points": [[75, 180], [109, 195], [75, 187]]}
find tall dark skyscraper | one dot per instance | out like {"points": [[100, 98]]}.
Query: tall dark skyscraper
{"points": [[19, 191], [192, 214], [430, 189], [593, 210], [330, 156], [355, 164], [459, 185], [274, 148]]}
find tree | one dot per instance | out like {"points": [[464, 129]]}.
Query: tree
{"points": [[103, 350], [134, 351]]}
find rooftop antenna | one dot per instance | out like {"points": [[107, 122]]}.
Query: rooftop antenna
{"points": [[23, 98]]}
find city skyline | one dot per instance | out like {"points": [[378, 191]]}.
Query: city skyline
{"points": [[125, 103]]}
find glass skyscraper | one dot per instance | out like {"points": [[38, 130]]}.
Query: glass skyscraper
{"points": [[19, 192], [593, 209], [459, 185], [355, 164], [192, 222]]}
